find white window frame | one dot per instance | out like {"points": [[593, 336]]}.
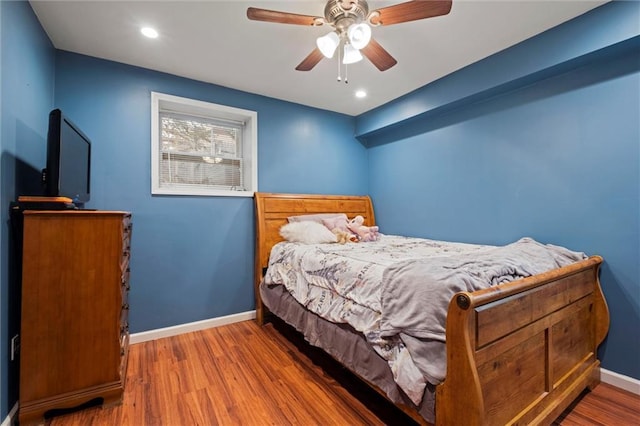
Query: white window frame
{"points": [[163, 102]]}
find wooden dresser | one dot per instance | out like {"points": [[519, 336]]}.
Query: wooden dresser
{"points": [[74, 329]]}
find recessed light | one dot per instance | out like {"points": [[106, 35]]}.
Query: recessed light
{"points": [[149, 32], [361, 94]]}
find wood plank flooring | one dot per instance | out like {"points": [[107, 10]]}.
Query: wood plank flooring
{"points": [[242, 374]]}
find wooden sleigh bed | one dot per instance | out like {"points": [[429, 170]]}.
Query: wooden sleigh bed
{"points": [[518, 353]]}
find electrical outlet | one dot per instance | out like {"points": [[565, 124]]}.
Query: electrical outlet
{"points": [[15, 346]]}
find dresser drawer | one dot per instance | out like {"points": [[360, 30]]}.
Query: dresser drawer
{"points": [[127, 227], [124, 314], [124, 286], [126, 255], [124, 327], [124, 355]]}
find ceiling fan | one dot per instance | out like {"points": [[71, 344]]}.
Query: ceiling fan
{"points": [[351, 21]]}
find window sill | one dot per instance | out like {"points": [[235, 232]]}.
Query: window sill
{"points": [[209, 193]]}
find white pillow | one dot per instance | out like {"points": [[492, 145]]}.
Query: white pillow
{"points": [[307, 232]]}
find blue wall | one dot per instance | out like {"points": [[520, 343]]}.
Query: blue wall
{"points": [[192, 257], [26, 96], [541, 140], [556, 157]]}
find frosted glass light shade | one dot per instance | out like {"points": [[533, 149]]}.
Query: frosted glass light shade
{"points": [[359, 35], [351, 55], [328, 44]]}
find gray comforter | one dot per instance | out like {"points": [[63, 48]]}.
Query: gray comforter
{"points": [[396, 291], [416, 293]]}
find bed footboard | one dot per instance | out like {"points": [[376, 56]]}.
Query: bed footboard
{"points": [[520, 353]]}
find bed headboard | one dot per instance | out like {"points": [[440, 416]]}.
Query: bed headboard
{"points": [[272, 211]]}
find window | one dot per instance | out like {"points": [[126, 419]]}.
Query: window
{"points": [[200, 148]]}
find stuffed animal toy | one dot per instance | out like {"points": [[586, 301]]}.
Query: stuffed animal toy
{"points": [[338, 225], [345, 236], [364, 233]]}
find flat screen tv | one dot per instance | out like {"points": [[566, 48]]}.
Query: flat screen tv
{"points": [[68, 171]]}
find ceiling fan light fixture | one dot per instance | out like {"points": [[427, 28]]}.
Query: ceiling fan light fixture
{"points": [[328, 44], [359, 35], [351, 55]]}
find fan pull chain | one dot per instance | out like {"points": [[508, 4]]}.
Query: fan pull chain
{"points": [[346, 70], [339, 60]]}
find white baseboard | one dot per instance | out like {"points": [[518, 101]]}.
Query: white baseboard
{"points": [[9, 420], [189, 327], [618, 380]]}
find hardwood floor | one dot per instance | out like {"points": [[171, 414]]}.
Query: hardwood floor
{"points": [[241, 374]]}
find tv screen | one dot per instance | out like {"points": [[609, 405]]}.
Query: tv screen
{"points": [[68, 171]]}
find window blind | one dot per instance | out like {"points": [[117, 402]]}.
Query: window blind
{"points": [[200, 151]]}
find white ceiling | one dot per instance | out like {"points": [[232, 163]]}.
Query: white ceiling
{"points": [[213, 41]]}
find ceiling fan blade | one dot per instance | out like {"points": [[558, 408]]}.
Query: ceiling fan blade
{"points": [[410, 11], [378, 55], [265, 15], [310, 61]]}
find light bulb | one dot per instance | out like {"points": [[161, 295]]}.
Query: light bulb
{"points": [[328, 44], [359, 35], [149, 32], [351, 55]]}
